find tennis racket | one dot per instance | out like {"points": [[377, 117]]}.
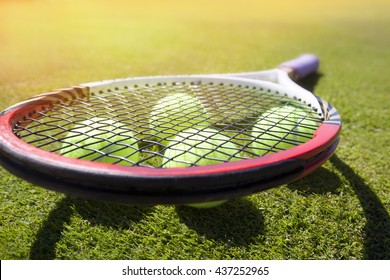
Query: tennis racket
{"points": [[172, 139]]}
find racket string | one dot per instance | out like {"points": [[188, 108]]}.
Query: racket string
{"points": [[227, 113]]}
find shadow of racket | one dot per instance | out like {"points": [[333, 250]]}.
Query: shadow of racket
{"points": [[377, 229], [97, 213]]}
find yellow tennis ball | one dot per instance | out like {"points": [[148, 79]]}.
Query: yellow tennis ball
{"points": [[175, 113], [281, 128], [306, 128], [102, 140], [211, 204], [200, 147]]}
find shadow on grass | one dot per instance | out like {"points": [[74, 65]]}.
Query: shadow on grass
{"points": [[310, 82], [321, 181], [97, 213], [236, 223], [377, 229], [51, 230]]}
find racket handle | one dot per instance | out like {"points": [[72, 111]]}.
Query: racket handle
{"points": [[301, 67]]}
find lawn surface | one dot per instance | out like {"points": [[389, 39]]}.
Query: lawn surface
{"points": [[340, 211]]}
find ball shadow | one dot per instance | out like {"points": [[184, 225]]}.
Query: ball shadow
{"points": [[236, 223], [96, 212]]}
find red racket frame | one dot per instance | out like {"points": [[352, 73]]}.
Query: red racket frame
{"points": [[143, 185]]}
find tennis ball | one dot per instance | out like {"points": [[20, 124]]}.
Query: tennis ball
{"points": [[305, 129], [175, 113], [199, 147], [281, 128], [207, 204], [103, 140]]}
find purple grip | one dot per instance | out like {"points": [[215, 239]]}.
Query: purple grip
{"points": [[302, 66]]}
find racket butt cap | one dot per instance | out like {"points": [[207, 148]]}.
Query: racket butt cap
{"points": [[301, 66]]}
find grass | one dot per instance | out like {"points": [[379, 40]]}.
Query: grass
{"points": [[341, 211]]}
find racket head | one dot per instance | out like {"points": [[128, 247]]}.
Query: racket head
{"points": [[143, 184]]}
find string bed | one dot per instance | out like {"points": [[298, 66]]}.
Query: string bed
{"points": [[136, 125]]}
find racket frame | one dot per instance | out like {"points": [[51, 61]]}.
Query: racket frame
{"points": [[143, 185]]}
